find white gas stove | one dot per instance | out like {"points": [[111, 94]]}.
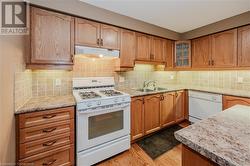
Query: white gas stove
{"points": [[103, 119]]}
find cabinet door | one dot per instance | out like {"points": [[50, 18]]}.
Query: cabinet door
{"points": [[201, 52], [152, 113], [156, 53], [142, 47], [110, 37], [224, 49], [168, 53], [180, 106], [182, 54], [52, 37], [244, 46], [229, 101], [87, 32], [167, 109], [127, 53], [137, 118]]}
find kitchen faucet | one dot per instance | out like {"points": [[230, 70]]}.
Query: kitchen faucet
{"points": [[147, 83]]}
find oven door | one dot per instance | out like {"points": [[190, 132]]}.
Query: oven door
{"points": [[95, 127]]}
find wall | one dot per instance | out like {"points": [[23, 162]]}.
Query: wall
{"points": [[12, 60], [229, 23], [85, 10]]}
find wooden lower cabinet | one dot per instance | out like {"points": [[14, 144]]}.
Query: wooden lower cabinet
{"points": [[167, 109], [192, 158], [46, 137], [137, 117], [180, 106], [152, 108], [153, 112], [229, 101]]}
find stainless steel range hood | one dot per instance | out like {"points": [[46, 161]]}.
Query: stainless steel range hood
{"points": [[97, 52]]}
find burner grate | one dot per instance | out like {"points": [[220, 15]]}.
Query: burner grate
{"points": [[110, 92], [89, 95]]}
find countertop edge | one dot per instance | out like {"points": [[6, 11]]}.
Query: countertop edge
{"points": [[204, 152]]}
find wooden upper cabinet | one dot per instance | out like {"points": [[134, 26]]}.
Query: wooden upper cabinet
{"points": [[201, 52], [244, 46], [168, 53], [142, 47], [87, 32], [110, 37], [229, 101], [127, 53], [152, 113], [137, 118], [224, 49], [52, 38], [156, 53], [180, 106], [167, 109], [182, 56]]}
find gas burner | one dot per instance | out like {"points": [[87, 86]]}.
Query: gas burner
{"points": [[110, 93], [89, 95]]}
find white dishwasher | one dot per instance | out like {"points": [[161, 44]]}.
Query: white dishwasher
{"points": [[203, 105]]}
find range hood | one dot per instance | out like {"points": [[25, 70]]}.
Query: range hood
{"points": [[97, 52]]}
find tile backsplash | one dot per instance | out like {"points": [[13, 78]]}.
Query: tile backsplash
{"points": [[56, 82]]}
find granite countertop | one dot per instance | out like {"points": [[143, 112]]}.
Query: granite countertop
{"points": [[44, 103], [223, 138], [170, 87]]}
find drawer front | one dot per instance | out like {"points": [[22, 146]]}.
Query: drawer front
{"points": [[46, 144], [45, 117], [45, 131], [59, 157]]}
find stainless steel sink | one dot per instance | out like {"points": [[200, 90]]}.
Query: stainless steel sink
{"points": [[150, 90]]}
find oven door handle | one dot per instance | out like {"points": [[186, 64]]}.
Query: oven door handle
{"points": [[102, 109]]}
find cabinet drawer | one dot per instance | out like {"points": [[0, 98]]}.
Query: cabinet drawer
{"points": [[63, 156], [44, 117], [46, 144], [47, 130]]}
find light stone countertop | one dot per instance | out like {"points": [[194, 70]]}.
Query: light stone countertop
{"points": [[223, 138], [170, 87], [44, 103]]}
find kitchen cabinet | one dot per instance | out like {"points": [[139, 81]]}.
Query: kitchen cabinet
{"points": [[180, 106], [127, 53], [142, 47], [224, 49], [182, 56], [229, 101], [168, 53], [137, 118], [94, 34], [152, 113], [244, 46], [201, 52], [51, 39], [156, 52], [87, 32], [46, 137], [167, 109]]}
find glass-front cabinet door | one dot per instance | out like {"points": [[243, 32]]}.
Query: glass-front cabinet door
{"points": [[182, 54]]}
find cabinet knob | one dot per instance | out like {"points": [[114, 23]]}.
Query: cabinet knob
{"points": [[212, 62], [101, 42], [209, 62], [48, 116], [49, 143], [98, 41], [49, 162]]}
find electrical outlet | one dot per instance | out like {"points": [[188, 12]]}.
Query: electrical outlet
{"points": [[240, 79], [58, 82]]}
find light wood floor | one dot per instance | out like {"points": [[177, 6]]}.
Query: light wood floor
{"points": [[135, 156]]}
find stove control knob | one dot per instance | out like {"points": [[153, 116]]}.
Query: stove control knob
{"points": [[116, 100], [98, 103]]}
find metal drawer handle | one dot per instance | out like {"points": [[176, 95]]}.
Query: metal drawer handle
{"points": [[48, 116], [48, 130], [49, 143], [49, 163]]}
